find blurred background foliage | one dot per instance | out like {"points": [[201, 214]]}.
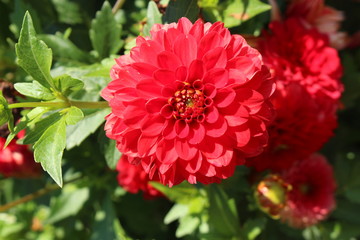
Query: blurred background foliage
{"points": [[91, 205]]}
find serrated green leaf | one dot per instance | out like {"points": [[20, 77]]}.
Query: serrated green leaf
{"points": [[181, 193], [73, 115], [238, 11], [33, 134], [105, 32], [79, 132], [68, 11], [48, 150], [176, 212], [187, 225], [67, 204], [64, 49], [34, 90], [153, 16], [221, 211], [178, 9], [67, 85], [33, 54], [4, 111], [27, 120]]}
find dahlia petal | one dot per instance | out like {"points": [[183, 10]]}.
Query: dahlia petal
{"points": [[244, 63], [215, 58], [237, 76], [209, 41], [155, 105], [197, 133], [147, 88], [145, 143], [197, 30], [212, 114], [149, 52], [166, 153], [164, 168], [143, 70], [216, 129], [217, 76], [164, 77], [212, 150], [153, 125], [168, 60], [194, 165], [196, 70], [169, 130], [240, 117], [182, 128], [184, 25], [183, 149], [207, 170], [223, 160], [185, 47], [166, 111], [224, 97], [181, 73], [242, 137], [250, 98], [209, 90]]}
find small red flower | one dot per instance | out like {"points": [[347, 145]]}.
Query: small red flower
{"points": [[133, 178], [190, 101], [300, 55], [301, 127], [17, 161], [311, 197]]}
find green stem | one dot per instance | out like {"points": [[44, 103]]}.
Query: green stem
{"points": [[57, 105], [117, 5]]}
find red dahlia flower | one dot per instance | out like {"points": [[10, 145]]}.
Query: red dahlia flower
{"points": [[311, 197], [300, 55], [133, 178], [301, 127], [190, 101], [17, 161]]}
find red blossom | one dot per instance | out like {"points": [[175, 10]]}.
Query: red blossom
{"points": [[17, 161], [191, 102], [311, 197], [133, 178]]}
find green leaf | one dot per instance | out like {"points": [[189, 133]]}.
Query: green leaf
{"points": [[68, 11], [208, 3], [253, 227], [176, 212], [222, 212], [187, 225], [34, 90], [73, 115], [153, 16], [178, 9], [80, 131], [27, 120], [33, 54], [105, 32], [64, 49], [66, 84], [67, 204], [48, 150], [33, 134], [112, 154], [181, 193], [238, 11], [5, 112]]}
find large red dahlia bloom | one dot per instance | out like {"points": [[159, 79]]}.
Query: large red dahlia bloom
{"points": [[191, 101], [297, 54], [301, 127], [17, 161], [311, 197], [133, 178]]}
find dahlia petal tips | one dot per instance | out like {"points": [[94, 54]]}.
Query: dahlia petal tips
{"points": [[190, 101]]}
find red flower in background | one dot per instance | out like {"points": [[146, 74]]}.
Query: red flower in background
{"points": [[300, 55], [191, 102], [301, 127], [307, 73], [17, 161], [311, 197], [133, 178]]}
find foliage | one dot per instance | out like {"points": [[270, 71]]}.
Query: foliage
{"points": [[59, 55]]}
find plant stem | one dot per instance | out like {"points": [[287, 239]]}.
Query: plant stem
{"points": [[117, 5], [57, 105], [34, 195]]}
